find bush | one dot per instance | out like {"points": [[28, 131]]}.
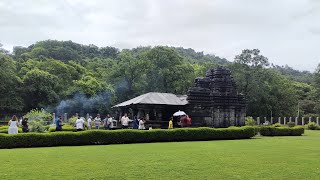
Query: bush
{"points": [[281, 131], [313, 126], [249, 121], [41, 116], [72, 121], [291, 124], [36, 126], [122, 136]]}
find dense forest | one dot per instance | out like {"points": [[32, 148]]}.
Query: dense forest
{"points": [[71, 77]]}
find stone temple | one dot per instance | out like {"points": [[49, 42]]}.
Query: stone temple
{"points": [[214, 100]]}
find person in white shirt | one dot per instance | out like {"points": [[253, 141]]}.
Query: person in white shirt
{"points": [[79, 124], [97, 121], [141, 124], [125, 121], [110, 122], [89, 121]]}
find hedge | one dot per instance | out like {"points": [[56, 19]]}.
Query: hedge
{"points": [[4, 129], [122, 137], [281, 131], [64, 128]]}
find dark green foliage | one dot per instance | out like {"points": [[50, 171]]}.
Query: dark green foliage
{"points": [[10, 86], [122, 137], [47, 72], [281, 131]]}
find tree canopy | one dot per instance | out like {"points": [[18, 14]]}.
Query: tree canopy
{"points": [[50, 73]]}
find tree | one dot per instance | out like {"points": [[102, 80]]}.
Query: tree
{"points": [[251, 58], [10, 86], [40, 89], [166, 69], [90, 86]]}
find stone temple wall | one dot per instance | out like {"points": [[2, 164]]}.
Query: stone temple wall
{"points": [[214, 101]]}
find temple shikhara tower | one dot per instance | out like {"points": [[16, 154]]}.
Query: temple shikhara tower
{"points": [[214, 100]]}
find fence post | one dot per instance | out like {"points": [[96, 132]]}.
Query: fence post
{"points": [[290, 119], [258, 120], [65, 117], [302, 121], [318, 120], [284, 120], [279, 120], [53, 118], [309, 120]]}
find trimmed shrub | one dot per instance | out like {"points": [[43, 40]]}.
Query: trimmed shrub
{"points": [[281, 131], [313, 126], [277, 125], [5, 131], [65, 127], [249, 121], [291, 124], [122, 137]]}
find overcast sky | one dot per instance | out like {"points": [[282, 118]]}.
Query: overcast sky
{"points": [[286, 31]]}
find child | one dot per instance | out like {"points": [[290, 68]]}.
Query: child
{"points": [[170, 124]]}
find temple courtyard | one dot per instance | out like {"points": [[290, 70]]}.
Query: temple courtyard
{"points": [[286, 157]]}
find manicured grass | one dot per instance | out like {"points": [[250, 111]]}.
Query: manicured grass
{"points": [[258, 158]]}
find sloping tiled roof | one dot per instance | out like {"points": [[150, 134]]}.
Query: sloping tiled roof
{"points": [[156, 98]]}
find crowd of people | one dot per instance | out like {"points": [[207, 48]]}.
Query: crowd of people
{"points": [[107, 123]]}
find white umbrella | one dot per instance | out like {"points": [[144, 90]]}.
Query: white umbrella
{"points": [[179, 113]]}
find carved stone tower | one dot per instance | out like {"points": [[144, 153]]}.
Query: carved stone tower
{"points": [[214, 100]]}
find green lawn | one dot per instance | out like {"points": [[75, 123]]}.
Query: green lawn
{"points": [[257, 158]]}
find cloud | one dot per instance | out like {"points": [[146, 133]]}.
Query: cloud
{"points": [[285, 31]]}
